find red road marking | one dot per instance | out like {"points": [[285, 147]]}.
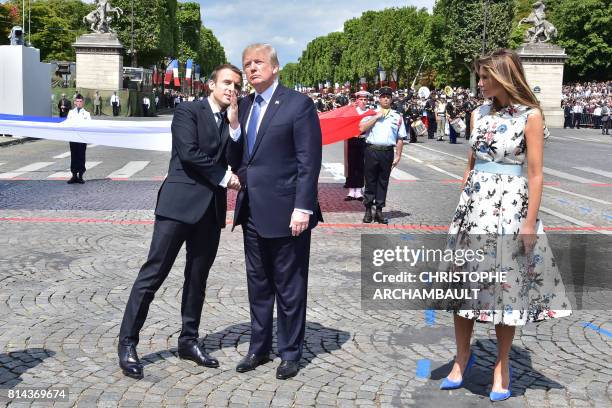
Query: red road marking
{"points": [[600, 184], [417, 227], [552, 183], [451, 181]]}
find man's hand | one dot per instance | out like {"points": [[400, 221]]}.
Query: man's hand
{"points": [[232, 111], [396, 161], [234, 183], [299, 222]]}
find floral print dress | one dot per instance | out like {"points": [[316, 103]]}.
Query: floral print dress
{"points": [[489, 215]]}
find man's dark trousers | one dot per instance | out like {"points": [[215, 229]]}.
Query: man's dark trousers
{"points": [[77, 157], [377, 172], [288, 258], [202, 240]]}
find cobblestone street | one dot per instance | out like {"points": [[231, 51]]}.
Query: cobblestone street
{"points": [[69, 255]]}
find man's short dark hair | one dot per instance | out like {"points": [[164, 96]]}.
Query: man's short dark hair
{"points": [[78, 96], [233, 68]]}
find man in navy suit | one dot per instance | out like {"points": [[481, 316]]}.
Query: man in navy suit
{"points": [[191, 207], [277, 151]]}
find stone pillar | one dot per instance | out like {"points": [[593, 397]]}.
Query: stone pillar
{"points": [[543, 64], [25, 82], [99, 62]]}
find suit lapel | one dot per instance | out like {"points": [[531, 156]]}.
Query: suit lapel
{"points": [[209, 118], [273, 107]]}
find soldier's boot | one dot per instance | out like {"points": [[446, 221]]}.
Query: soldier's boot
{"points": [[367, 218], [378, 217], [73, 179]]}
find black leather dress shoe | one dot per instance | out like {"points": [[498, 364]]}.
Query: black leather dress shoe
{"points": [[196, 353], [251, 362], [129, 362], [367, 218], [73, 179], [349, 198], [287, 369]]}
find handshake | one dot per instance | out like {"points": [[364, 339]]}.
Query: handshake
{"points": [[237, 180]]}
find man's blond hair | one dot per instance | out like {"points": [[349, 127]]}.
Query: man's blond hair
{"points": [[263, 46]]}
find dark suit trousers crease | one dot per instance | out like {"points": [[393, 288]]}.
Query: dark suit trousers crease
{"points": [[277, 269], [77, 157], [202, 239]]}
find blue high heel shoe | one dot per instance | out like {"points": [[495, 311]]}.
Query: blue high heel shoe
{"points": [[501, 396], [453, 385]]}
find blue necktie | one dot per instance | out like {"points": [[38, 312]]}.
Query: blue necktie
{"points": [[252, 129]]}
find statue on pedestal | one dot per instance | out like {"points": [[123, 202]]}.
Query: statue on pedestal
{"points": [[100, 18], [542, 30]]}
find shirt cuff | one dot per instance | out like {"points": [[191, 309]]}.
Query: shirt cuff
{"points": [[304, 211], [235, 133], [225, 179]]}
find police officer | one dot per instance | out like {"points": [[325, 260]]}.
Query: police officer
{"points": [[77, 150], [383, 131]]}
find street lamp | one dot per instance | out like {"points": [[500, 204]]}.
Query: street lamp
{"points": [[484, 31]]}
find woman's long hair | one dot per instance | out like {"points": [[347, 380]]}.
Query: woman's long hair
{"points": [[505, 67]]}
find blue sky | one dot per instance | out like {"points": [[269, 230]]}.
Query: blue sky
{"points": [[286, 24]]}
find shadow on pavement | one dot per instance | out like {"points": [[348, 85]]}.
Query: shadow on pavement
{"points": [[13, 364], [318, 340]]}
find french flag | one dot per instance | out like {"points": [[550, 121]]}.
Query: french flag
{"points": [[175, 71], [188, 70], [169, 72]]}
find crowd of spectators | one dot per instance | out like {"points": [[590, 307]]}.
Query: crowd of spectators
{"points": [[587, 104]]}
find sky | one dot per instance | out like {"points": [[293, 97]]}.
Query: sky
{"points": [[286, 24]]}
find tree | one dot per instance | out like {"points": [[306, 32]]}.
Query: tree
{"points": [[584, 28], [55, 25], [211, 51], [462, 39], [9, 17], [189, 23], [289, 74], [155, 29]]}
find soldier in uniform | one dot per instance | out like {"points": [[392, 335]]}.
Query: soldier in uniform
{"points": [[354, 154], [64, 106], [384, 131], [97, 101], [77, 150]]}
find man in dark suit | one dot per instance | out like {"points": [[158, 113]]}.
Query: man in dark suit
{"points": [[278, 154], [191, 207]]}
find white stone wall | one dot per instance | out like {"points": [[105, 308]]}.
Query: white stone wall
{"points": [[25, 82], [549, 78], [99, 71]]}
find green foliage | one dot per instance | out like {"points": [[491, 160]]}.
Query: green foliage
{"points": [[211, 51], [289, 74], [154, 33], [585, 29], [9, 17], [189, 22]]}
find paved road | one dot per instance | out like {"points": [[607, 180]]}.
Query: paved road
{"points": [[69, 254]]}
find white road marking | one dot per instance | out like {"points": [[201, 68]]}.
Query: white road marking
{"points": [[412, 158], [128, 170], [25, 169], [595, 171], [448, 173], [68, 174], [573, 220], [597, 200], [567, 176], [441, 152], [62, 156], [336, 169], [398, 174]]}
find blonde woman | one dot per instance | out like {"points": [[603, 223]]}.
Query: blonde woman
{"points": [[499, 204]]}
